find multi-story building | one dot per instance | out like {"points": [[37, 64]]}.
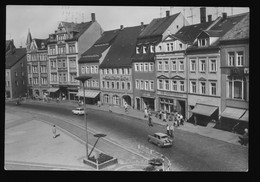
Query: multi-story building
{"points": [[37, 67], [65, 47], [144, 71], [89, 65], [171, 67], [15, 71], [234, 47], [204, 71], [116, 68]]}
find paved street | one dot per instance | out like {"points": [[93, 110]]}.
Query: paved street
{"points": [[191, 151]]}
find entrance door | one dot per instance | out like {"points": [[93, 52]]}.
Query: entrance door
{"points": [[182, 106], [138, 104]]}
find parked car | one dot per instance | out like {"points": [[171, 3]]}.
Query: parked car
{"points": [[160, 139], [78, 111]]}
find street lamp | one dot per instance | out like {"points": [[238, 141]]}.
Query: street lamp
{"points": [[100, 135], [83, 79]]}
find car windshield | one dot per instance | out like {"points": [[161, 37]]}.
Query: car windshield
{"points": [[164, 137]]}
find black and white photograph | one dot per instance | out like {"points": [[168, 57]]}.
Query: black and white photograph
{"points": [[126, 88]]}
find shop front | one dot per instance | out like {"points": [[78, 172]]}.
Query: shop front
{"points": [[91, 96]]}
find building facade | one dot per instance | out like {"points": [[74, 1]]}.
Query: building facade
{"points": [[89, 65], [37, 67], [235, 78], [65, 47], [144, 71], [15, 73]]}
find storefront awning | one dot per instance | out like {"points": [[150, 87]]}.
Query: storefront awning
{"points": [[245, 116], [52, 90], [233, 113], [205, 110], [88, 93]]}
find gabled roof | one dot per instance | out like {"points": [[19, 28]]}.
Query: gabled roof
{"points": [[239, 31], [9, 44], [189, 33], [158, 26], [77, 27], [40, 41], [12, 58], [94, 53], [122, 48]]}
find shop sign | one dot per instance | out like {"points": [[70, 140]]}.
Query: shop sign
{"points": [[119, 78], [173, 94]]}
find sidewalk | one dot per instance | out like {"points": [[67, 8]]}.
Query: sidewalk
{"points": [[207, 131]]}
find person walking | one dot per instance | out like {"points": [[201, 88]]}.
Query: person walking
{"points": [[181, 120], [171, 130], [125, 105], [54, 131], [243, 140], [109, 108], [164, 116], [145, 113], [168, 129], [150, 120]]}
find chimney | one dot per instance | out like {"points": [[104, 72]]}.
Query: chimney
{"points": [[93, 17], [142, 25], [121, 27], [224, 16], [167, 13], [209, 18], [202, 14]]}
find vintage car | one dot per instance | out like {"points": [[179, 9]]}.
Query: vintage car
{"points": [[160, 139], [78, 111]]}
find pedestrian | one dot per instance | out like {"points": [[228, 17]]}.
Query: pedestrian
{"points": [[160, 114], [243, 140], [126, 107], [150, 120], [57, 100], [178, 119], [54, 131], [181, 120], [110, 109], [145, 113], [164, 116], [171, 130], [168, 129]]}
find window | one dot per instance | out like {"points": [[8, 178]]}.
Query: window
{"points": [[141, 84], [72, 49], [166, 66], [126, 71], [137, 50], [146, 85], [23, 83], [16, 74], [174, 66], [30, 81], [105, 71], [64, 64], [35, 80], [117, 85], [60, 77], [43, 69], [101, 71], [110, 71], [52, 50], [106, 98], [231, 59], [54, 77], [103, 84], [203, 42], [137, 84], [72, 77], [115, 100], [213, 88], [120, 71], [128, 86], [237, 89], [92, 69], [193, 87], [141, 66], [152, 48], [145, 66], [171, 44], [202, 88], [160, 84], [113, 85], [136, 67], [123, 85], [181, 65], [182, 86], [35, 69], [64, 77], [160, 66], [107, 84], [96, 69], [53, 64], [115, 71], [151, 85], [44, 80], [72, 63], [144, 49], [240, 59], [92, 83], [167, 86], [151, 67], [168, 46], [174, 85], [82, 70], [88, 83], [180, 45], [192, 65], [123, 71], [16, 83], [213, 65], [87, 69], [202, 65], [21, 65]]}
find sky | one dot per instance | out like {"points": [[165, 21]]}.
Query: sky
{"points": [[43, 20]]}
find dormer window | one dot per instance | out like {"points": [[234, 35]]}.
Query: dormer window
{"points": [[152, 48], [180, 45], [42, 45], [144, 49], [202, 42], [137, 50]]}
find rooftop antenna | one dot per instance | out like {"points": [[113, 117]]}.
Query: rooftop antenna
{"points": [[191, 16]]}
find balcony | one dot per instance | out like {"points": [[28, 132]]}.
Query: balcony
{"points": [[62, 69]]}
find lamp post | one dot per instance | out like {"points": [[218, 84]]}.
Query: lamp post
{"points": [[98, 137], [83, 79]]}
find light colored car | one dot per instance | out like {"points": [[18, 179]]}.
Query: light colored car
{"points": [[78, 111], [160, 139]]}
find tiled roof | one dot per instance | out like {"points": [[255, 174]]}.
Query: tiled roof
{"points": [[8, 43], [189, 33], [158, 26], [122, 48], [77, 27], [239, 31], [12, 59]]}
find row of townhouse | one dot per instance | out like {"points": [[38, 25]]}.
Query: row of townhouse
{"points": [[165, 65]]}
